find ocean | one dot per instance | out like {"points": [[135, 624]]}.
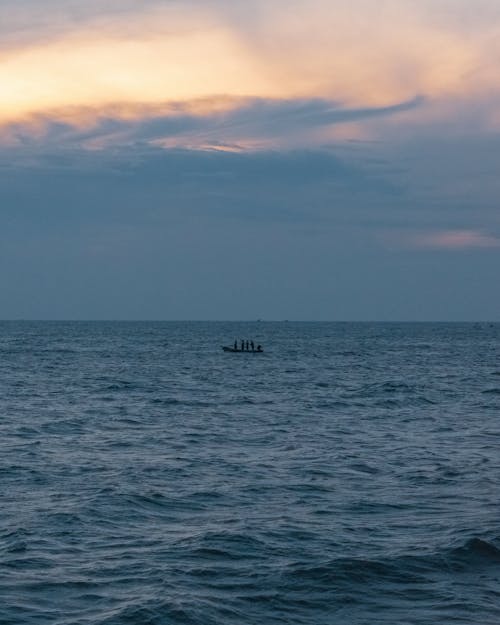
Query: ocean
{"points": [[348, 475]]}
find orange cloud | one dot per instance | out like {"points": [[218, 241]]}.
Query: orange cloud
{"points": [[98, 73], [371, 54]]}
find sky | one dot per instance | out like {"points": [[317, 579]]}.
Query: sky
{"points": [[217, 159]]}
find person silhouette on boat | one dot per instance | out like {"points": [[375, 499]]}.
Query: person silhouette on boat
{"points": [[259, 348], [247, 345], [252, 345], [236, 346], [242, 346]]}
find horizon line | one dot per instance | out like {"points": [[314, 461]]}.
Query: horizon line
{"points": [[110, 320]]}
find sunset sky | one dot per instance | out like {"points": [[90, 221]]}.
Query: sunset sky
{"points": [[217, 159]]}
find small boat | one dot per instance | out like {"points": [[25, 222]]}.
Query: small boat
{"points": [[242, 351]]}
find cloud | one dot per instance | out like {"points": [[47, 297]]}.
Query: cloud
{"points": [[445, 240], [153, 189], [144, 232], [87, 70], [98, 54], [456, 240], [235, 124]]}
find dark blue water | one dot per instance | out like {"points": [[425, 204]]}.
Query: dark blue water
{"points": [[348, 475]]}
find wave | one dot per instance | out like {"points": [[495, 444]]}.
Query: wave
{"points": [[476, 551], [491, 391], [172, 612], [15, 541], [473, 556], [391, 394]]}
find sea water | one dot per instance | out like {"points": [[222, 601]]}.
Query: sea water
{"points": [[350, 474]]}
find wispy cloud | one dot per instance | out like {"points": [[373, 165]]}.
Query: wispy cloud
{"points": [[232, 123], [454, 240]]}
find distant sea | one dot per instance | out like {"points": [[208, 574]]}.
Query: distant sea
{"points": [[349, 475]]}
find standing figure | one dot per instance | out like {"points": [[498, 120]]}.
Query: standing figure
{"points": [[236, 346], [247, 345], [242, 346], [252, 345]]}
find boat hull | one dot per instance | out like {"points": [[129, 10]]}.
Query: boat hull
{"points": [[242, 351]]}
